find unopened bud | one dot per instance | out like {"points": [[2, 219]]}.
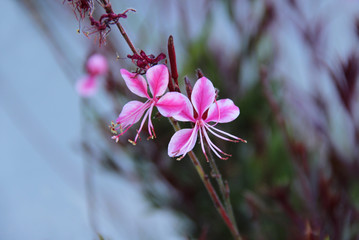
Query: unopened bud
{"points": [[97, 64], [199, 73], [188, 87]]}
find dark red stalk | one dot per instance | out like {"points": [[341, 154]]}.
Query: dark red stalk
{"points": [[108, 8], [212, 192], [173, 63], [170, 83]]}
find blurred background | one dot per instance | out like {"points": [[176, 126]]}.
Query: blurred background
{"points": [[292, 68]]}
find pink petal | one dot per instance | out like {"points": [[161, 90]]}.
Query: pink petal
{"points": [[182, 142], [171, 103], [157, 77], [131, 113], [203, 95], [86, 86], [97, 64], [228, 111], [135, 82], [186, 114]]}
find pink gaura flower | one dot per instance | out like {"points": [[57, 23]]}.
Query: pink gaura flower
{"points": [[96, 65], [168, 105], [203, 110]]}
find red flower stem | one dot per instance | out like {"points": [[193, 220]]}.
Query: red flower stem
{"points": [[212, 192], [224, 188], [108, 8]]}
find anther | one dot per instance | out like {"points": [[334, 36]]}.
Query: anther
{"points": [[117, 138]]}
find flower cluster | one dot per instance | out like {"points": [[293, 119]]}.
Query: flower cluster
{"points": [[201, 109], [96, 66]]}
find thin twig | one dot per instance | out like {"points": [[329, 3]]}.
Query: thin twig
{"points": [[222, 186], [212, 192], [108, 8]]}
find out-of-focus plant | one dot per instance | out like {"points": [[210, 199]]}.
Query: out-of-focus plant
{"points": [[201, 109], [295, 179]]}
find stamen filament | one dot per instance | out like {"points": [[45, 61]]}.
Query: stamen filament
{"points": [[202, 145], [151, 130], [225, 133], [136, 112], [141, 126], [213, 147], [219, 136]]}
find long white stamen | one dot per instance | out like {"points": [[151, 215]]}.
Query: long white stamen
{"points": [[219, 136], [225, 133], [142, 123], [201, 139], [213, 147], [128, 126], [150, 125]]}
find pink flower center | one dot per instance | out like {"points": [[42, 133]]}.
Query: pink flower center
{"points": [[200, 123]]}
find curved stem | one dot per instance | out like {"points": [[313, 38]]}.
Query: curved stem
{"points": [[108, 8], [223, 187], [212, 192]]}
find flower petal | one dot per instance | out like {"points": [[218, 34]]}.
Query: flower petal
{"points": [[86, 86], [186, 114], [227, 111], [135, 82], [171, 103], [157, 77], [131, 113], [203, 95], [97, 64], [182, 142]]}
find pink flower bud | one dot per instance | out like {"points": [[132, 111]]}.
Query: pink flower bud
{"points": [[96, 65]]}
